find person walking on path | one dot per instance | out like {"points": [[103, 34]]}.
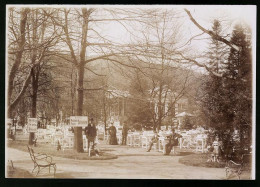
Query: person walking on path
{"points": [[112, 135], [124, 133], [91, 133], [173, 141], [154, 139]]}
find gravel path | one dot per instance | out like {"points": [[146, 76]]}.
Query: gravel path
{"points": [[132, 163]]}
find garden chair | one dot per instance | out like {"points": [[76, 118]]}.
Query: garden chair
{"points": [[41, 161], [238, 167]]}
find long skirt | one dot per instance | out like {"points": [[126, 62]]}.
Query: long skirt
{"points": [[113, 140]]}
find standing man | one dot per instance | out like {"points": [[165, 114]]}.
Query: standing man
{"points": [[173, 141], [124, 133], [91, 133]]}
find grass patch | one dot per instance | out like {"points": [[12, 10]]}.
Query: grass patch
{"points": [[52, 151], [18, 173], [200, 160]]}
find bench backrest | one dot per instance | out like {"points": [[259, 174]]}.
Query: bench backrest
{"points": [[31, 152]]}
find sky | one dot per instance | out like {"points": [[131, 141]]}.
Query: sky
{"points": [[203, 14]]}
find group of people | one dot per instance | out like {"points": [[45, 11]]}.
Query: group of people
{"points": [[91, 133], [171, 141], [113, 137]]}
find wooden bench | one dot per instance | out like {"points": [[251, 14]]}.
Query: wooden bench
{"points": [[41, 161], [238, 167]]}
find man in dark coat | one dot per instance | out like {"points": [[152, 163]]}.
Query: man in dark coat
{"points": [[173, 141], [91, 133]]}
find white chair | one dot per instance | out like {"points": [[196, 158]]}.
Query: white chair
{"points": [[136, 139], [200, 144], [68, 143], [144, 141]]}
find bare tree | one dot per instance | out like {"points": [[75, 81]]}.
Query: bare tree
{"points": [[17, 43], [157, 48], [70, 20], [30, 50]]}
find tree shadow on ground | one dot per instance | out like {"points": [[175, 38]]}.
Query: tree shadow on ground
{"points": [[184, 153], [107, 150]]}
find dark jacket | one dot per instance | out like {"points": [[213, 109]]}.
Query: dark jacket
{"points": [[91, 132], [173, 139]]}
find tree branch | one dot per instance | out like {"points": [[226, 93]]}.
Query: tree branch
{"points": [[212, 34]]}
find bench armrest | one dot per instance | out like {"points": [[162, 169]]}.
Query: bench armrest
{"points": [[232, 164], [40, 156], [44, 156]]}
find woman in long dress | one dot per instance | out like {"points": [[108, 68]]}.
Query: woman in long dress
{"points": [[112, 135]]}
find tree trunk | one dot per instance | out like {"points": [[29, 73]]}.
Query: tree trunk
{"points": [[78, 130], [33, 110], [105, 112], [160, 108]]}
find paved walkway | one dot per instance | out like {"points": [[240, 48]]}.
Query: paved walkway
{"points": [[132, 163]]}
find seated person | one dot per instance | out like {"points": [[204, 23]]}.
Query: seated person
{"points": [[94, 151], [173, 141], [154, 139]]}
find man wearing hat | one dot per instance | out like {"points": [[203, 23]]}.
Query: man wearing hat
{"points": [[91, 133], [173, 141]]}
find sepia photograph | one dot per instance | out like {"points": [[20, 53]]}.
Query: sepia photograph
{"points": [[130, 92]]}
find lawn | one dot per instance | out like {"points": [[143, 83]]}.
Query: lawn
{"points": [[51, 150], [200, 160]]}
